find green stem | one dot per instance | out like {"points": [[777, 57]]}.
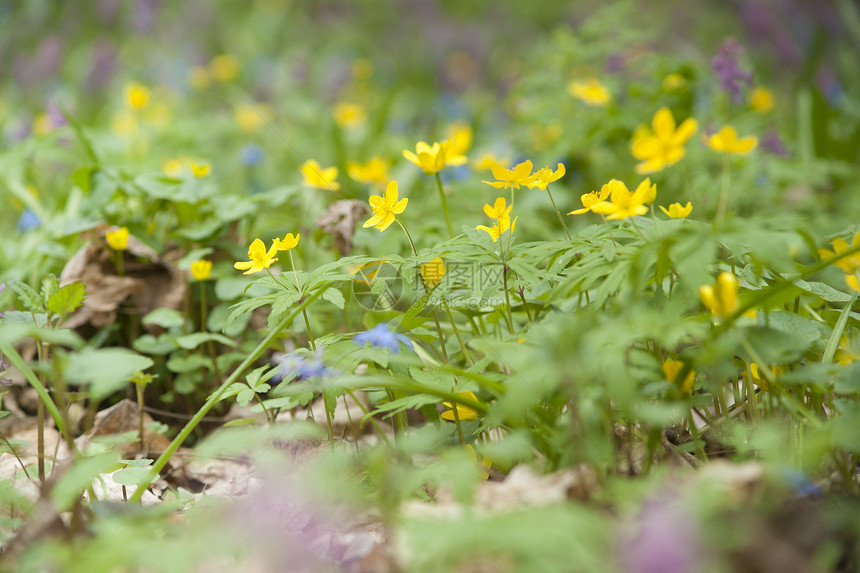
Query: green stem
{"points": [[457, 333], [215, 397], [408, 236], [557, 212], [444, 205], [723, 206]]}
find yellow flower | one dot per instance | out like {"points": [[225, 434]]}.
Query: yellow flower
{"points": [[201, 169], [288, 242], [664, 146], [374, 171], [459, 140], [136, 95], [589, 200], [499, 210], [173, 167], [259, 257], [761, 99], [486, 161], [42, 124], [499, 227], [224, 68], [432, 272], [201, 269], [721, 300], [848, 351], [251, 117], [849, 265], [117, 239], [432, 159], [727, 140], [676, 211], [622, 203], [385, 208], [199, 77], [464, 413], [592, 92], [674, 82], [348, 114], [124, 123], [316, 176], [511, 178], [545, 176], [671, 368], [760, 380]]}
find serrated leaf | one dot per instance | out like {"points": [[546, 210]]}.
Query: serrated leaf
{"points": [[28, 297], [244, 397], [50, 285], [67, 299], [335, 297]]}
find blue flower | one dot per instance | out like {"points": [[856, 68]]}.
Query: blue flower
{"points": [[295, 365], [28, 220], [380, 336], [252, 154]]}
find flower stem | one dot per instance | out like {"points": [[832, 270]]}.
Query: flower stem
{"points": [[408, 236], [213, 399], [557, 212], [608, 228], [444, 206], [723, 206], [304, 312]]}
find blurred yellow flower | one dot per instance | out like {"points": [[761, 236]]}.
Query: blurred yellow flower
{"points": [[224, 68], [850, 264], [663, 144], [124, 123], [201, 169], [622, 203], [374, 171], [545, 176], [761, 99], [289, 242], [259, 257], [757, 377], [674, 82], [136, 95], [117, 239], [347, 114], [511, 178], [199, 77], [251, 117], [316, 176], [543, 136], [591, 91], [432, 272], [459, 140], [432, 159], [721, 299], [201, 269], [464, 413], [173, 167], [727, 140], [671, 368], [42, 124], [676, 211], [385, 208], [486, 160]]}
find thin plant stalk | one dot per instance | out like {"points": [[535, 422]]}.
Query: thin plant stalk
{"points": [[557, 212], [444, 205]]}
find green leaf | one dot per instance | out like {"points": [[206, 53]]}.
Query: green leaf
{"points": [[67, 299], [335, 297], [79, 477], [184, 364], [192, 341], [130, 476], [50, 285], [105, 369], [28, 297], [165, 318]]}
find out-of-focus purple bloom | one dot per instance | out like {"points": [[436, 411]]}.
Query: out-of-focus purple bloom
{"points": [[252, 154], [829, 84], [144, 18], [28, 220], [103, 65], [665, 539], [55, 114], [615, 63], [4, 365], [772, 143], [728, 71], [800, 482], [295, 365], [380, 336]]}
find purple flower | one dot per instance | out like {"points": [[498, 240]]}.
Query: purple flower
{"points": [[772, 143], [380, 336], [251, 154], [729, 73], [664, 539]]}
